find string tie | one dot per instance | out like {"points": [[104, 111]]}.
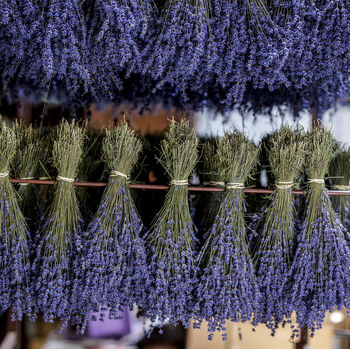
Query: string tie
{"points": [[284, 185], [115, 173], [4, 174], [340, 187], [216, 184], [44, 178], [316, 180], [24, 178], [179, 181], [234, 185], [65, 179]]}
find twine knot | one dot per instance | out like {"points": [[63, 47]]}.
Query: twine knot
{"points": [[4, 174], [115, 173], [179, 181], [25, 178], [65, 179], [216, 184], [316, 180], [284, 185], [234, 185], [340, 187]]}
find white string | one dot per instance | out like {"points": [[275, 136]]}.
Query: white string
{"points": [[234, 185], [24, 178], [284, 185], [340, 187], [217, 184], [179, 181], [4, 174], [66, 179], [115, 173], [316, 180]]}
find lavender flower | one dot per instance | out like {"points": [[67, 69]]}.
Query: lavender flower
{"points": [[57, 264], [172, 238], [115, 268], [15, 278], [274, 248], [117, 31], [320, 279], [228, 288]]}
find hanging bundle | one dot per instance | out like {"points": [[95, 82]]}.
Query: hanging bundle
{"points": [[274, 246], [15, 279], [117, 30], [57, 59], [26, 165], [320, 273], [57, 264], [228, 288], [339, 173], [17, 23], [177, 45], [172, 238], [115, 267]]}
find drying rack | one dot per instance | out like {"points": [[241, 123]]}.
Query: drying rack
{"points": [[166, 187]]}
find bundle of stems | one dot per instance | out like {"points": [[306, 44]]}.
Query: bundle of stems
{"points": [[339, 173], [215, 174], [171, 240], [26, 166], [16, 288], [46, 170], [274, 247], [115, 266], [320, 272], [227, 287], [57, 263], [91, 170]]}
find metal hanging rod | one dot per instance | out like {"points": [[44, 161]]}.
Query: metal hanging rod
{"points": [[166, 187]]}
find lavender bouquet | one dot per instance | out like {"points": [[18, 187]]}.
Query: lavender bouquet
{"points": [[60, 40], [115, 267], [176, 47], [172, 237], [339, 172], [26, 165], [274, 248], [116, 34], [228, 288], [320, 272], [16, 290], [57, 264]]}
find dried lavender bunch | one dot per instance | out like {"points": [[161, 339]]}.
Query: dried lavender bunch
{"points": [[228, 288], [320, 272], [274, 247], [57, 264], [172, 238], [116, 34], [177, 45], [339, 173], [15, 280], [63, 50], [26, 166], [115, 266]]}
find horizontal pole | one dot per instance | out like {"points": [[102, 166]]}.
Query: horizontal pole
{"points": [[166, 187]]}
